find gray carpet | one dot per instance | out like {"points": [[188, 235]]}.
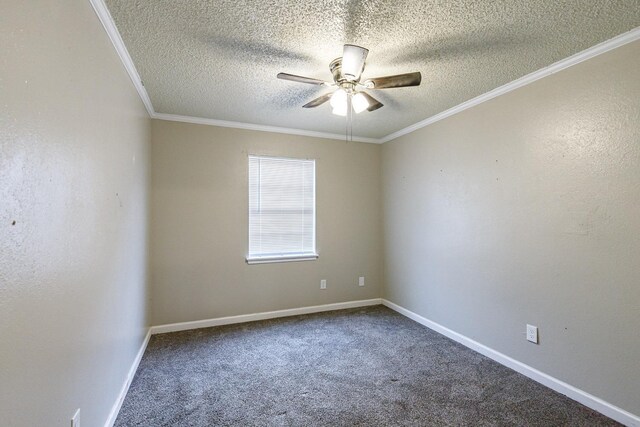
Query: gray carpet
{"points": [[367, 367]]}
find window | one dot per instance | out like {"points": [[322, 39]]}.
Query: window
{"points": [[282, 209]]}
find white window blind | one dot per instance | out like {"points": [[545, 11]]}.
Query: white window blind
{"points": [[282, 207]]}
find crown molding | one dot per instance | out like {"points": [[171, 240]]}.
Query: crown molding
{"points": [[114, 35], [262, 128], [111, 29], [579, 57]]}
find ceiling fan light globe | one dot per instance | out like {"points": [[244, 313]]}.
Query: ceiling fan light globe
{"points": [[339, 100], [353, 58], [359, 102]]}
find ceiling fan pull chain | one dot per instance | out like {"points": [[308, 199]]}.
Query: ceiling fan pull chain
{"points": [[350, 118], [351, 122]]}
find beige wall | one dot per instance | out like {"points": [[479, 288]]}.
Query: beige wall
{"points": [[73, 177], [521, 210], [526, 209], [199, 224]]}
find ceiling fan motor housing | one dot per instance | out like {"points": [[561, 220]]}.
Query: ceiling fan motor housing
{"points": [[336, 70]]}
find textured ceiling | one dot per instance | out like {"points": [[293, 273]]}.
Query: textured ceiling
{"points": [[219, 59]]}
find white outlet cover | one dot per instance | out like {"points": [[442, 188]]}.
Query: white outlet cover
{"points": [[532, 334], [323, 284], [361, 281]]}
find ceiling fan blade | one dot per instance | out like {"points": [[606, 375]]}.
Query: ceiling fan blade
{"points": [[353, 58], [400, 80], [300, 79], [318, 101], [374, 104]]}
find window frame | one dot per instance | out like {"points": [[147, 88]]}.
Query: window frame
{"points": [[285, 257]]}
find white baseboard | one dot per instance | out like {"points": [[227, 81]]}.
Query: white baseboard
{"points": [[125, 387], [183, 326], [174, 327], [568, 390]]}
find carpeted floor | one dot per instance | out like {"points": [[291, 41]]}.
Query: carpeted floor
{"points": [[366, 367]]}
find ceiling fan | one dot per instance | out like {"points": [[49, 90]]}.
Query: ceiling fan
{"points": [[347, 76]]}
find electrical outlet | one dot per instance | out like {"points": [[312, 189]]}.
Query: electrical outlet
{"points": [[532, 334], [323, 284], [361, 281], [75, 421]]}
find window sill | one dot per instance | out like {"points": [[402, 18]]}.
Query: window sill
{"points": [[281, 258]]}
